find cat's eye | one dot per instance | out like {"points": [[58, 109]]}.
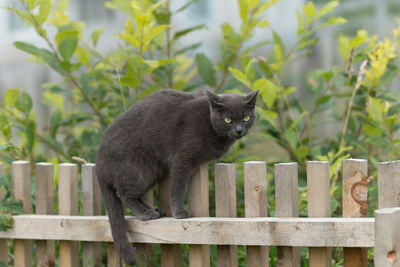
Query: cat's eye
{"points": [[246, 118], [227, 120]]}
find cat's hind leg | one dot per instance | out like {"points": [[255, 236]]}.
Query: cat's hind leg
{"points": [[141, 211], [144, 203]]}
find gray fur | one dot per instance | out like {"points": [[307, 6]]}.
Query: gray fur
{"points": [[168, 133]]}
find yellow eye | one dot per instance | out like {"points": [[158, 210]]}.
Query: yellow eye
{"points": [[246, 118], [228, 120]]}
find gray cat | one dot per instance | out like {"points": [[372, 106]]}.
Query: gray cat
{"points": [[168, 133]]}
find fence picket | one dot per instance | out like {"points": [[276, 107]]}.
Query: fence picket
{"points": [[318, 185], [171, 255], [113, 258], [199, 255], [68, 205], [355, 204], [389, 184], [45, 205], [145, 251], [3, 242], [21, 172], [255, 198], [387, 237], [91, 206], [225, 206], [287, 205]]}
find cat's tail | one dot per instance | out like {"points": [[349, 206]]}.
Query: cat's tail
{"points": [[119, 226]]}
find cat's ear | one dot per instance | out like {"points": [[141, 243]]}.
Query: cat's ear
{"points": [[214, 100], [251, 98]]}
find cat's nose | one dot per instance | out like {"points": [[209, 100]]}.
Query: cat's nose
{"points": [[239, 130]]}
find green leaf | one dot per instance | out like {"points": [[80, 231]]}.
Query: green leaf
{"points": [[267, 115], [6, 222], [183, 32], [302, 151], [372, 130], [96, 35], [267, 90], [43, 54], [206, 69], [240, 76], [30, 135], [187, 48], [55, 123], [335, 21], [24, 103], [44, 10], [291, 137], [185, 6], [67, 48], [394, 110], [243, 10], [327, 8], [322, 100], [309, 12], [11, 97]]}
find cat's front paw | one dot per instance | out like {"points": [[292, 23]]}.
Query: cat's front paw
{"points": [[182, 214]]}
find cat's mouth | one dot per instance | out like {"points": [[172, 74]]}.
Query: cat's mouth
{"points": [[236, 136]]}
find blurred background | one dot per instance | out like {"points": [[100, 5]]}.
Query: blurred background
{"points": [[375, 16]]}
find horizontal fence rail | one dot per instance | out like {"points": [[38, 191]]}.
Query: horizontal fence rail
{"points": [[81, 218], [296, 232]]}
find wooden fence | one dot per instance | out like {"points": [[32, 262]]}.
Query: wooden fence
{"points": [[354, 232]]}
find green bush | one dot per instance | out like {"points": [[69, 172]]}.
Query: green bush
{"points": [[98, 87]]}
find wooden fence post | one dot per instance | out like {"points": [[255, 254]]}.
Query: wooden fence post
{"points": [[91, 206], [3, 242], [21, 172], [45, 205], [319, 205], [387, 237], [225, 206], [68, 205], [171, 255], [255, 198], [145, 251], [355, 204], [389, 184], [199, 255], [287, 205]]}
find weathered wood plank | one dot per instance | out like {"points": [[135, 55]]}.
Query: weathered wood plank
{"points": [[389, 184], [255, 200], [287, 205], [3, 242], [21, 172], [199, 255], [171, 255], [225, 206], [303, 232], [68, 205], [45, 205], [318, 185], [91, 206], [355, 204], [387, 237], [145, 252], [113, 258]]}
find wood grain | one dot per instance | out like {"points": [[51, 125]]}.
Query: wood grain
{"points": [[225, 206], [355, 204], [199, 255], [387, 237], [255, 199], [21, 173], [68, 205], [45, 205], [287, 205], [318, 190], [91, 206]]}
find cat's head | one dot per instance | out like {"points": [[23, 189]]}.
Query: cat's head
{"points": [[232, 114]]}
